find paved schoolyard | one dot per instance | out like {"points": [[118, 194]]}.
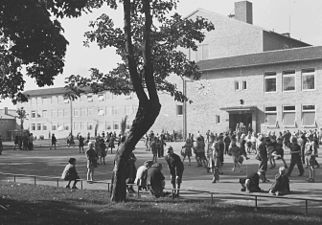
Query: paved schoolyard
{"points": [[44, 162]]}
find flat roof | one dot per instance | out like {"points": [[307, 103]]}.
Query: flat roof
{"points": [[46, 91], [264, 58]]}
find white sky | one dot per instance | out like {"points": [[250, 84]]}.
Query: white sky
{"points": [[302, 18]]}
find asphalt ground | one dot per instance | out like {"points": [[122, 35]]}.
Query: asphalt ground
{"points": [[196, 180]]}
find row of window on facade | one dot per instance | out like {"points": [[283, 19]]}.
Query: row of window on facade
{"points": [[109, 110], [84, 98], [288, 81], [289, 115], [77, 126]]}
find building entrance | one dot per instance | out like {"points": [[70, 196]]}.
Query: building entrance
{"points": [[240, 120]]}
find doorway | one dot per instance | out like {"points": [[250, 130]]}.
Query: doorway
{"points": [[241, 120]]}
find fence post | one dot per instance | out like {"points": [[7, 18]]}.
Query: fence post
{"points": [[81, 184], [306, 207], [57, 182], [35, 180], [212, 198], [14, 178], [256, 206], [108, 187]]}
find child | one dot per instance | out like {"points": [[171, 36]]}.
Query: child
{"points": [[70, 174], [281, 186]]}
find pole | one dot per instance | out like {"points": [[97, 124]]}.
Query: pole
{"points": [[184, 109], [71, 116]]}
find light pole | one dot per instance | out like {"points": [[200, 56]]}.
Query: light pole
{"points": [[71, 116], [184, 110]]}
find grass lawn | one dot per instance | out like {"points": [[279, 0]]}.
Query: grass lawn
{"points": [[25, 204]]}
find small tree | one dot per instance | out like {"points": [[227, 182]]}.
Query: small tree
{"points": [[22, 116], [149, 45]]}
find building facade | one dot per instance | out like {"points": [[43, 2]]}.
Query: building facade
{"points": [[252, 77], [269, 91], [51, 112]]}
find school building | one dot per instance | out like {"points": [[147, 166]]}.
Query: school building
{"points": [[250, 76]]}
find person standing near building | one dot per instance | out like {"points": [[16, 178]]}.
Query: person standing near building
{"points": [[81, 144], [176, 170], [310, 155], [186, 150], [227, 141], [53, 141], [262, 157], [295, 151], [91, 157]]}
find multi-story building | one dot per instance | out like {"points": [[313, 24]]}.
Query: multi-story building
{"points": [[268, 91], [261, 79]]}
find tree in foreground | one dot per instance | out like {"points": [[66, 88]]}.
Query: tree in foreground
{"points": [[149, 45]]}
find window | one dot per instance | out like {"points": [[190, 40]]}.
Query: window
{"points": [[289, 81], [45, 100], [38, 126], [44, 127], [108, 110], [89, 111], [83, 112], [179, 110], [308, 115], [270, 82], [244, 85], [54, 99], [66, 126], [53, 127], [308, 80], [108, 126], [90, 98], [114, 110], [217, 119], [76, 112], [33, 126], [89, 126], [38, 115], [236, 85], [100, 112], [33, 114], [115, 125], [53, 113], [101, 97], [271, 115], [60, 113], [289, 115], [44, 114], [66, 112], [66, 100]]}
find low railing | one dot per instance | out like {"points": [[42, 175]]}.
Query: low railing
{"points": [[252, 196]]}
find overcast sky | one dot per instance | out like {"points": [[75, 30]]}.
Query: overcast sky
{"points": [[302, 18]]}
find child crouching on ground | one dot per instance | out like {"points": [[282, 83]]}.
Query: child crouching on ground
{"points": [[70, 174]]}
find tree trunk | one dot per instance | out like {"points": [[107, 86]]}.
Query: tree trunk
{"points": [[145, 117]]}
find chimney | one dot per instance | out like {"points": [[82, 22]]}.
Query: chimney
{"points": [[244, 11]]}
